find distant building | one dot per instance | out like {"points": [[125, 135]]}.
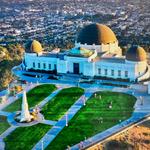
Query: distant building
{"points": [[96, 54]]}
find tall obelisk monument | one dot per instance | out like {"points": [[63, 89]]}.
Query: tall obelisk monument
{"points": [[25, 114]]}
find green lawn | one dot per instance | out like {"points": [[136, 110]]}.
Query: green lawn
{"points": [[87, 122], [4, 125], [24, 138], [57, 107], [34, 97]]}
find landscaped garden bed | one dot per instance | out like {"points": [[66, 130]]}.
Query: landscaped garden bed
{"points": [[24, 138], [59, 105]]}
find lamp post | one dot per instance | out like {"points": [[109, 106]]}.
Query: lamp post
{"points": [[66, 119], [142, 101], [84, 100]]}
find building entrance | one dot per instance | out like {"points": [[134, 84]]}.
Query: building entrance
{"points": [[76, 68]]}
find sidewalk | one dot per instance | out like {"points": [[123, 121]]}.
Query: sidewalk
{"points": [[4, 113]]}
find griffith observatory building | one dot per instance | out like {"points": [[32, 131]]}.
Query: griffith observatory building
{"points": [[96, 55]]}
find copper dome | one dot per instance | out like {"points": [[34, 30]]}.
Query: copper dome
{"points": [[96, 34], [36, 47], [136, 53]]}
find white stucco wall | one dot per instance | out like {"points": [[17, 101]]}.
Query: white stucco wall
{"points": [[62, 66], [140, 67], [88, 67], [30, 58], [116, 67]]}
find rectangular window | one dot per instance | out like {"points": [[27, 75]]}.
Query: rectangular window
{"points": [[44, 65], [106, 72], [33, 64], [119, 73], [126, 73], [112, 72], [39, 66], [49, 66], [99, 70]]}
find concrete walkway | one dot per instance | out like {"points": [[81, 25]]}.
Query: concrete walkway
{"points": [[2, 144], [55, 130], [4, 113], [13, 122], [49, 122]]}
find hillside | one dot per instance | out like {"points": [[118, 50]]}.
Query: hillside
{"points": [[10, 56]]}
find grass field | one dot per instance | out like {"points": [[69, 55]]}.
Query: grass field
{"points": [[24, 138], [57, 107], [95, 117], [34, 96], [3, 124]]}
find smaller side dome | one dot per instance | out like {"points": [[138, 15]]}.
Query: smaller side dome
{"points": [[136, 53], [36, 47]]}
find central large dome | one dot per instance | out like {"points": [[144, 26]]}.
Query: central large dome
{"points": [[96, 34]]}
